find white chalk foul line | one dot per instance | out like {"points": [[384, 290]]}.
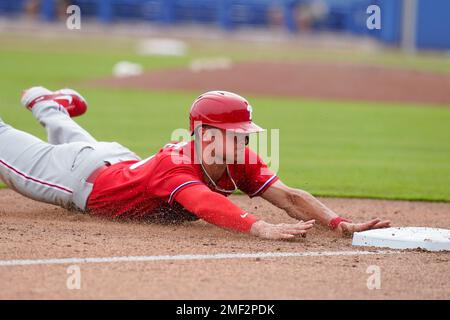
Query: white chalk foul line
{"points": [[31, 262]]}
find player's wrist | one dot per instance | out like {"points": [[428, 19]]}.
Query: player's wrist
{"points": [[334, 223], [257, 228]]}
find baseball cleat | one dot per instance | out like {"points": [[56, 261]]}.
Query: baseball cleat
{"points": [[71, 100]]}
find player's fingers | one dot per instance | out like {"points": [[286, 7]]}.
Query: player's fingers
{"points": [[282, 225], [306, 226], [294, 231], [286, 236], [307, 223], [386, 223], [292, 236], [288, 229], [382, 224], [299, 227], [367, 225]]}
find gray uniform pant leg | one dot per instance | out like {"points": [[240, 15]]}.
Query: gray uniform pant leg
{"points": [[52, 173], [59, 125]]}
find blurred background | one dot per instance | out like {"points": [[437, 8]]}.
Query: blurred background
{"points": [[362, 111], [412, 23]]}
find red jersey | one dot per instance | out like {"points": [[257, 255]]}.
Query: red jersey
{"points": [[140, 188]]}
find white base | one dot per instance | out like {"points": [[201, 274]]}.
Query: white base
{"points": [[431, 239]]}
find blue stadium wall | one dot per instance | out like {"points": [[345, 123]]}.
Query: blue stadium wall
{"points": [[433, 24], [432, 20]]}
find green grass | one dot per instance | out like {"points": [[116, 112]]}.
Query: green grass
{"points": [[348, 149], [362, 149]]}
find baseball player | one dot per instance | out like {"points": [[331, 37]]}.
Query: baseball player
{"points": [[75, 171]]}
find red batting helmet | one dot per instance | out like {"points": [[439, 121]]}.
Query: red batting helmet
{"points": [[223, 110]]}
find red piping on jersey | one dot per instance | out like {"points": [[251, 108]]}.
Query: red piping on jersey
{"points": [[264, 186], [181, 186]]}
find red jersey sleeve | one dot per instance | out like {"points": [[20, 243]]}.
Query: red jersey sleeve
{"points": [[214, 208], [255, 176]]}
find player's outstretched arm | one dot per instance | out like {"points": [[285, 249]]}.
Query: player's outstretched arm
{"points": [[301, 205], [218, 210]]}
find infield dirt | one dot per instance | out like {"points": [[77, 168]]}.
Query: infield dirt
{"points": [[333, 81], [32, 230]]}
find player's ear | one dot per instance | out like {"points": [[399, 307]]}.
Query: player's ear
{"points": [[204, 130], [201, 133], [198, 132]]}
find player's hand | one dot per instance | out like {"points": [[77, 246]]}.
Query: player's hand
{"points": [[281, 231], [348, 228]]}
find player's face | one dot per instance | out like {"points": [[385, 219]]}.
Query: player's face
{"points": [[225, 146], [235, 146]]}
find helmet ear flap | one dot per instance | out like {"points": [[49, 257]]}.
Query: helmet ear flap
{"points": [[195, 127], [197, 132]]}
